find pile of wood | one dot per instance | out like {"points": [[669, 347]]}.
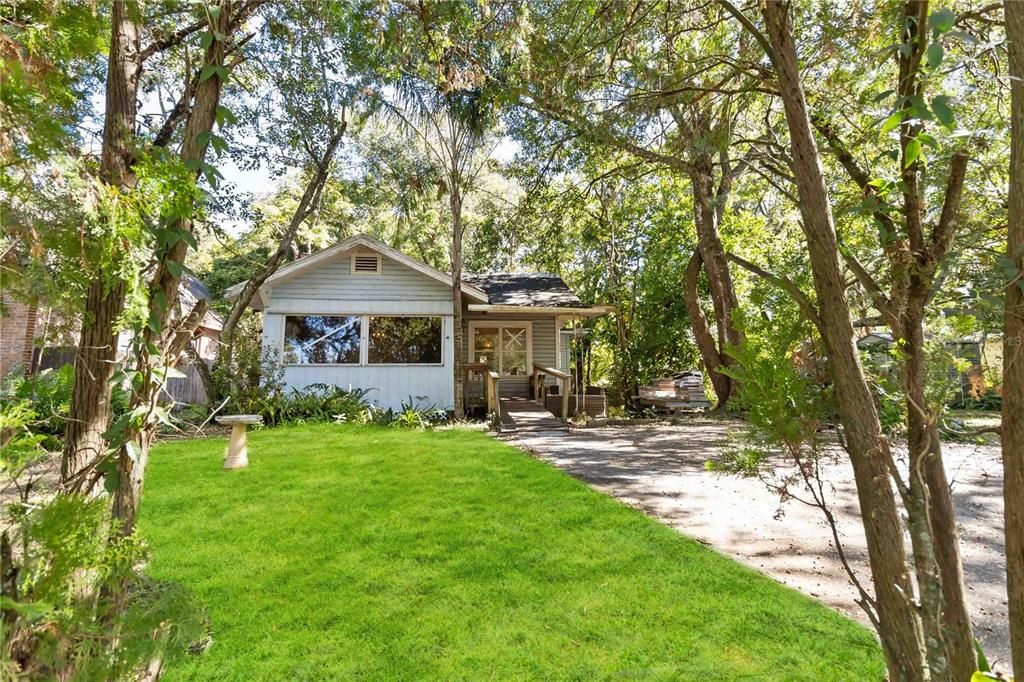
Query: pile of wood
{"points": [[660, 388], [690, 385], [685, 389]]}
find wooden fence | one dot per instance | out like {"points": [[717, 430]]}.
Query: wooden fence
{"points": [[188, 390]]}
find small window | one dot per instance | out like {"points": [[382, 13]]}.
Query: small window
{"points": [[504, 348], [405, 341], [321, 339], [365, 264]]}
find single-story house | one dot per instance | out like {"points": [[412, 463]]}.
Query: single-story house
{"points": [[364, 315]]}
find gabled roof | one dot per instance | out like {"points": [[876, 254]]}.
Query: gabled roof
{"points": [[320, 257], [531, 289], [497, 292]]}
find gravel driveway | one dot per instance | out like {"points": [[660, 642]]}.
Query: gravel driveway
{"points": [[661, 470]]}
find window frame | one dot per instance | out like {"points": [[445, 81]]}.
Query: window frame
{"points": [[364, 340], [364, 350], [501, 325], [284, 340]]}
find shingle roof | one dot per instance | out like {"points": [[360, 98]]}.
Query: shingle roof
{"points": [[190, 290], [539, 289]]}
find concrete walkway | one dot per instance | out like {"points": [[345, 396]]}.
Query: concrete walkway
{"points": [[661, 470]]}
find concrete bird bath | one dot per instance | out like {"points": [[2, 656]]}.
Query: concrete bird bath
{"points": [[237, 455]]}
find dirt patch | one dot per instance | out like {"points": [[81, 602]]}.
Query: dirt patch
{"points": [[661, 470]]}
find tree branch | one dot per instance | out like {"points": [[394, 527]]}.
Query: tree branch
{"points": [[853, 169], [945, 228], [878, 297], [788, 285], [181, 334], [307, 203], [171, 39], [750, 26]]}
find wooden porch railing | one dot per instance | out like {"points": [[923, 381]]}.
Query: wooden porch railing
{"points": [[480, 387], [538, 385], [492, 394]]}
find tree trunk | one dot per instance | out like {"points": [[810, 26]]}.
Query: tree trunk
{"points": [[455, 201], [307, 204], [1013, 341], [716, 265], [702, 335], [163, 290], [96, 359], [899, 625], [949, 641], [919, 448]]}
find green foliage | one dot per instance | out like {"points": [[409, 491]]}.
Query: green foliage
{"points": [[72, 601], [20, 447], [50, 52], [49, 393], [60, 609], [315, 403], [989, 400], [781, 392]]}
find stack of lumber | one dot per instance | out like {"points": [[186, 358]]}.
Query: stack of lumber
{"points": [[690, 387], [660, 388], [685, 387]]}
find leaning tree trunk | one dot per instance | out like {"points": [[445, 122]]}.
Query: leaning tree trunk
{"points": [[1013, 342], [307, 205], [720, 285], [96, 359], [705, 340], [899, 625]]}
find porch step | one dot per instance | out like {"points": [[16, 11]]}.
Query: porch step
{"points": [[522, 415]]}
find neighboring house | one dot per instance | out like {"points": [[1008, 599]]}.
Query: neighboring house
{"points": [[364, 315], [35, 336], [981, 353], [207, 334]]}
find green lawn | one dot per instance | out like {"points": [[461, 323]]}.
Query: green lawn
{"points": [[356, 552]]}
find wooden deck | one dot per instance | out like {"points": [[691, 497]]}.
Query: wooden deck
{"points": [[521, 414]]}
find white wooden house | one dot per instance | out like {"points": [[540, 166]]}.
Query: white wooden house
{"points": [[362, 314]]}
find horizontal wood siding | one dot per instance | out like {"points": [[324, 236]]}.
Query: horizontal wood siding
{"points": [[332, 289], [318, 306], [390, 384], [334, 281], [543, 347]]}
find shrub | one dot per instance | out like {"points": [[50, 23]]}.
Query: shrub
{"points": [[50, 394], [49, 391], [73, 604], [415, 415]]}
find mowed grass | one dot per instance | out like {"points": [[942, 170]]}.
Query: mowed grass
{"points": [[350, 552]]}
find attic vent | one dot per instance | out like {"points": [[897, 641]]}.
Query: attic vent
{"points": [[366, 264]]}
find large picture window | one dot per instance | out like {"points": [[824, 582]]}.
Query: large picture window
{"points": [[322, 339], [404, 341], [503, 347]]}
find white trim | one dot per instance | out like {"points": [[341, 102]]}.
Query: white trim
{"points": [[540, 310], [501, 324], [364, 341], [559, 319], [315, 260]]}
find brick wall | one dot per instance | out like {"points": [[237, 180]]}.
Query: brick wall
{"points": [[17, 330]]}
